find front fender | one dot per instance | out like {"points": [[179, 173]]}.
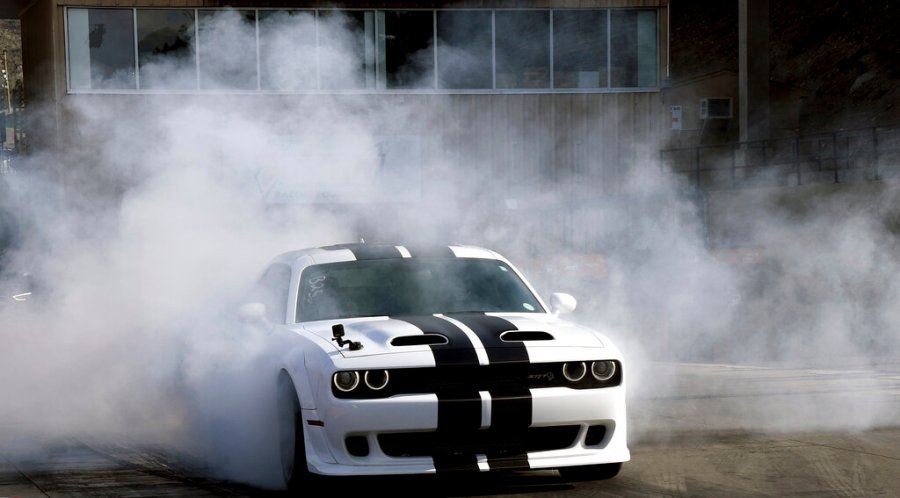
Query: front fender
{"points": [[305, 361]]}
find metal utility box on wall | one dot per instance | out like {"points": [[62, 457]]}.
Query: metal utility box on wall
{"points": [[716, 108]]}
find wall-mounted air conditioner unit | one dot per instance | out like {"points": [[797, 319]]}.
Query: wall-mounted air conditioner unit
{"points": [[715, 108]]}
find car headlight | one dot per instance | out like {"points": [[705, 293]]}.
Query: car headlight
{"points": [[573, 372], [376, 380], [346, 381], [603, 370]]}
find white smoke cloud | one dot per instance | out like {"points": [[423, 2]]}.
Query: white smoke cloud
{"points": [[145, 238], [794, 325]]}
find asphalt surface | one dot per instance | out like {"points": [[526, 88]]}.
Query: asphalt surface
{"points": [[702, 430]]}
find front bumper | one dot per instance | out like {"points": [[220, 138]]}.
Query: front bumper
{"points": [[406, 434]]}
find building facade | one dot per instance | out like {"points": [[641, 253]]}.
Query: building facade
{"points": [[563, 92]]}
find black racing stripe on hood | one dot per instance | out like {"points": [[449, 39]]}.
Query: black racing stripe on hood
{"points": [[511, 408], [460, 412], [361, 252], [488, 329], [459, 349]]}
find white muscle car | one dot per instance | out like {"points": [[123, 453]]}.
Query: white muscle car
{"points": [[400, 360]]}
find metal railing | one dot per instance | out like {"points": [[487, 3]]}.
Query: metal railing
{"points": [[863, 154]]}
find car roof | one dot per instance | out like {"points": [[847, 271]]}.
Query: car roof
{"points": [[368, 251]]}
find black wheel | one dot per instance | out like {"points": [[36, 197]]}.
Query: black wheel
{"points": [[591, 472], [290, 435]]}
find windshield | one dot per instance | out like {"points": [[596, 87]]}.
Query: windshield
{"points": [[411, 286]]}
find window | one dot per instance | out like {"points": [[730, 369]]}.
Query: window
{"points": [[580, 49], [227, 57], [166, 52], [287, 50], [523, 49], [301, 50], [634, 47], [347, 49], [272, 290], [411, 286], [101, 49], [407, 44], [464, 46]]}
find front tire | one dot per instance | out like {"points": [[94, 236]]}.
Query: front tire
{"points": [[290, 435], [591, 472]]}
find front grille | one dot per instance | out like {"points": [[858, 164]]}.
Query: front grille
{"points": [[493, 443]]}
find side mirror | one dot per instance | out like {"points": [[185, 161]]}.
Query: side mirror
{"points": [[252, 313], [22, 296], [19, 288], [560, 302]]}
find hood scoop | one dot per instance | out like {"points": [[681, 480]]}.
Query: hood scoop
{"points": [[525, 335], [419, 340]]}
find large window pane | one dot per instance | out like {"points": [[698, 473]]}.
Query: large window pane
{"points": [[579, 49], [287, 49], [523, 49], [464, 49], [166, 57], [227, 49], [347, 49], [101, 49], [634, 49], [408, 49], [648, 45]]}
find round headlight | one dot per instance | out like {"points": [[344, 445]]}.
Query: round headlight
{"points": [[573, 372], [376, 379], [603, 370], [346, 381]]}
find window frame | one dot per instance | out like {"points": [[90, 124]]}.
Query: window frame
{"points": [[379, 87]]}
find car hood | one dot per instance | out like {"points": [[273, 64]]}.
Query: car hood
{"points": [[483, 332]]}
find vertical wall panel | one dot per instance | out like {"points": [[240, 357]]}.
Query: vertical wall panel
{"points": [[40, 73], [563, 160]]}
